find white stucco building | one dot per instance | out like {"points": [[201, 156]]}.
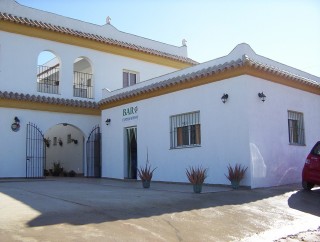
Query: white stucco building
{"points": [[134, 94]]}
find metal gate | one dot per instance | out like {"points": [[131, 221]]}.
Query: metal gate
{"points": [[35, 152], [93, 147]]}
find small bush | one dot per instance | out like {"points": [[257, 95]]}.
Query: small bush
{"points": [[72, 173], [57, 169]]}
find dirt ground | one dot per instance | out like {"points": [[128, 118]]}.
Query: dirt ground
{"points": [[309, 236], [92, 210]]}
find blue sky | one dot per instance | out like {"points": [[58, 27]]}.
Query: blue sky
{"points": [[287, 31]]}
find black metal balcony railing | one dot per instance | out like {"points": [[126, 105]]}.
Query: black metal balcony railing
{"points": [[82, 85], [48, 79], [48, 82]]}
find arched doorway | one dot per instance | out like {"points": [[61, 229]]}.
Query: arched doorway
{"points": [[64, 151]]}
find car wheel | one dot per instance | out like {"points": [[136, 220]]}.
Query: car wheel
{"points": [[307, 185]]}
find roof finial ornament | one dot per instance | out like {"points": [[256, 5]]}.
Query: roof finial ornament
{"points": [[108, 20], [184, 42]]}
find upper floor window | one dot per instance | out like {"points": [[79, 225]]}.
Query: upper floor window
{"points": [[129, 78], [82, 78], [296, 128], [48, 73], [185, 130]]}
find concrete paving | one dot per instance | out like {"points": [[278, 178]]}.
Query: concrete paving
{"points": [[80, 209]]}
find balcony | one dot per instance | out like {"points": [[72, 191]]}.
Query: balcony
{"points": [[48, 79], [82, 85]]}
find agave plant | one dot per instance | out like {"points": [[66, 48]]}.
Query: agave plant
{"points": [[196, 175], [236, 174], [146, 173]]}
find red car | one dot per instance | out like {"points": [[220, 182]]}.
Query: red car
{"points": [[311, 169]]}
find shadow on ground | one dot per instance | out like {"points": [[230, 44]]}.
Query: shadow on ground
{"points": [[80, 202], [306, 201]]}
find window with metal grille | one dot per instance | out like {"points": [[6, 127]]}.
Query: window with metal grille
{"points": [[296, 128], [129, 78], [185, 130]]}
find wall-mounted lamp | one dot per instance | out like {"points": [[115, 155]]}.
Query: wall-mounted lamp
{"points": [[224, 97], [108, 121], [262, 96], [15, 126]]}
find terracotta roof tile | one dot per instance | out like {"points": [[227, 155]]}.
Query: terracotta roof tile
{"points": [[49, 100], [48, 26], [244, 61]]}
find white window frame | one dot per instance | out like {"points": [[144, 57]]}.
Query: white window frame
{"points": [[129, 78], [185, 130], [296, 128]]}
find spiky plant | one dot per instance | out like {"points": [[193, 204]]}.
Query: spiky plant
{"points": [[196, 175], [146, 173], [236, 173]]}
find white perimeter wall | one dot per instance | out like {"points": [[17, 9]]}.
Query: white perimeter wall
{"points": [[18, 66], [13, 144], [243, 130]]}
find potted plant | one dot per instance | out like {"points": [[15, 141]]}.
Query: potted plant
{"points": [[145, 174], [47, 142], [75, 141], [196, 176], [236, 174], [72, 173], [57, 169]]}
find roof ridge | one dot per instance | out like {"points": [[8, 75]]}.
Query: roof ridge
{"points": [[244, 61], [107, 40], [204, 72], [276, 70]]}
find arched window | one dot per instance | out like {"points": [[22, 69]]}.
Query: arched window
{"points": [[48, 72], [82, 81]]}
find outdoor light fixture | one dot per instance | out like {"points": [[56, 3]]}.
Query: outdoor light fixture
{"points": [[108, 121], [224, 97], [15, 126], [262, 96]]}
